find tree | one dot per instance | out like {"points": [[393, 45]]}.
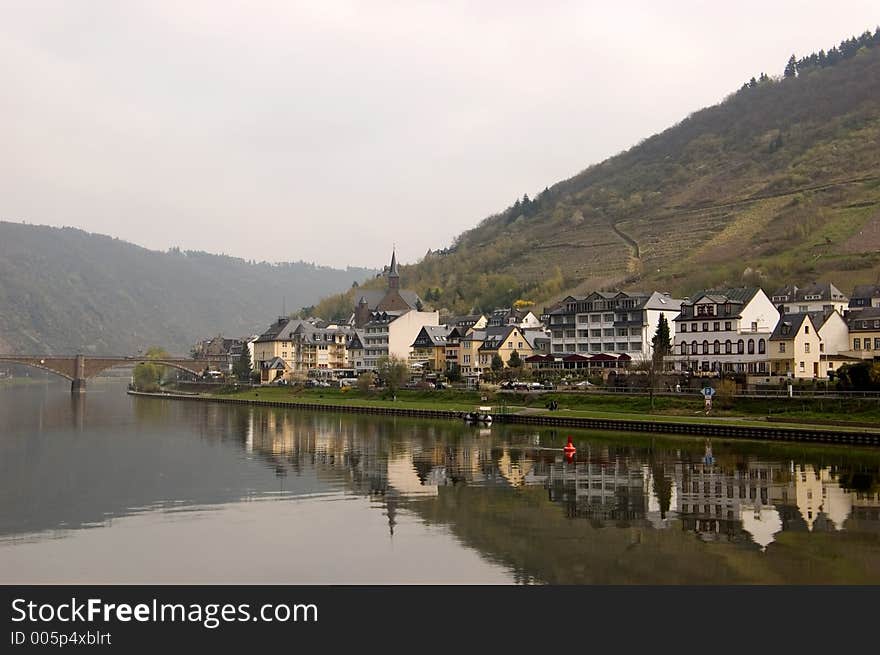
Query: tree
{"points": [[791, 67], [366, 380], [648, 366], [241, 367], [497, 362], [514, 361], [393, 371], [661, 343], [148, 376]]}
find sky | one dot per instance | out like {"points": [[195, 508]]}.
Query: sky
{"points": [[331, 131]]}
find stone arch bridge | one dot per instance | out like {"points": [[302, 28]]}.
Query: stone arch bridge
{"points": [[79, 368]]}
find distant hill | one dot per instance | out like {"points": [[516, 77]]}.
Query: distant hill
{"points": [[63, 290], [779, 182]]}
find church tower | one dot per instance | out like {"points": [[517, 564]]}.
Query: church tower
{"points": [[393, 273]]}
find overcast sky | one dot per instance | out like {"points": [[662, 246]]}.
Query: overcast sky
{"points": [[325, 131]]}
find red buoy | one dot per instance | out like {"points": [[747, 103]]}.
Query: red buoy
{"points": [[569, 450]]}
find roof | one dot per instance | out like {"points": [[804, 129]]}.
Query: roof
{"points": [[739, 296], [866, 291], [813, 291], [789, 325], [864, 319], [433, 335], [374, 297], [281, 330], [355, 340]]}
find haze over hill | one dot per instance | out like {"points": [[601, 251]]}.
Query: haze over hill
{"points": [[780, 182], [63, 290]]}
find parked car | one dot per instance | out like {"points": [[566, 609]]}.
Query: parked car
{"points": [[549, 385], [584, 384]]}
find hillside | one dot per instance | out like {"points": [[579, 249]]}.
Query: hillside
{"points": [[66, 291], [779, 182]]}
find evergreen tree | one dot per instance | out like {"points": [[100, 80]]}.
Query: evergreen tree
{"points": [[515, 361], [791, 68], [497, 362], [242, 365], [662, 343], [753, 83]]}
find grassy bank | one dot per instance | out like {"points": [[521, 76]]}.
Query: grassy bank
{"points": [[847, 414]]}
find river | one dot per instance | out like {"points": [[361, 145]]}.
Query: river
{"points": [[108, 488]]}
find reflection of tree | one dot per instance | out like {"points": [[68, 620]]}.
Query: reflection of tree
{"points": [[662, 487]]}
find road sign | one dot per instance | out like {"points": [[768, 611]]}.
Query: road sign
{"points": [[708, 392]]}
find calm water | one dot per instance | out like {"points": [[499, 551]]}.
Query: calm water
{"points": [[109, 488]]}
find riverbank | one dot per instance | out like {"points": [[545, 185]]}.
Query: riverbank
{"points": [[451, 406]]}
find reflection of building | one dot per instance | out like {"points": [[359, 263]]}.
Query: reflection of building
{"points": [[718, 504], [744, 501], [605, 492]]}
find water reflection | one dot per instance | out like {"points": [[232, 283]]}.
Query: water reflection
{"points": [[628, 508]]}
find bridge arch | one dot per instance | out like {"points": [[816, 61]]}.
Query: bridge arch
{"points": [[64, 367]]}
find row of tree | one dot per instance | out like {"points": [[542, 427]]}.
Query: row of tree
{"points": [[847, 48]]}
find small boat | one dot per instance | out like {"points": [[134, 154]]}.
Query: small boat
{"points": [[481, 415]]}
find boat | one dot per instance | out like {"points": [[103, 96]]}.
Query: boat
{"points": [[481, 415]]}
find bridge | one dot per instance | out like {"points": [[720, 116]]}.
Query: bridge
{"points": [[79, 368]]}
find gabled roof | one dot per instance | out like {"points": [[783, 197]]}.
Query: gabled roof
{"points": [[374, 297], [355, 340], [789, 325], [495, 336], [433, 335], [868, 316]]}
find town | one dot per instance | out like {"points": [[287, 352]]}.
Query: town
{"points": [[802, 333]]}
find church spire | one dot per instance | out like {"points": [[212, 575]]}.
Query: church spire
{"points": [[393, 273]]}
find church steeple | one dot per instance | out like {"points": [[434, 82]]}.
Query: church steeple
{"points": [[393, 273]]}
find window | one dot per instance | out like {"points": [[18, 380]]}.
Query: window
{"points": [[782, 346], [608, 318], [728, 347], [608, 332], [635, 346], [595, 333], [754, 327], [693, 347], [716, 326], [857, 344], [740, 347], [751, 346], [876, 343], [684, 348], [705, 327], [705, 347], [801, 366], [727, 326], [762, 346], [519, 343], [510, 343], [595, 318], [716, 347], [622, 332], [806, 347], [684, 327], [693, 327]]}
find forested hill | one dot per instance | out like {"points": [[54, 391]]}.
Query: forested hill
{"points": [[68, 291], [780, 182]]}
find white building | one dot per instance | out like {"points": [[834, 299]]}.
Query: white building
{"points": [[389, 334], [725, 330], [609, 322]]}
